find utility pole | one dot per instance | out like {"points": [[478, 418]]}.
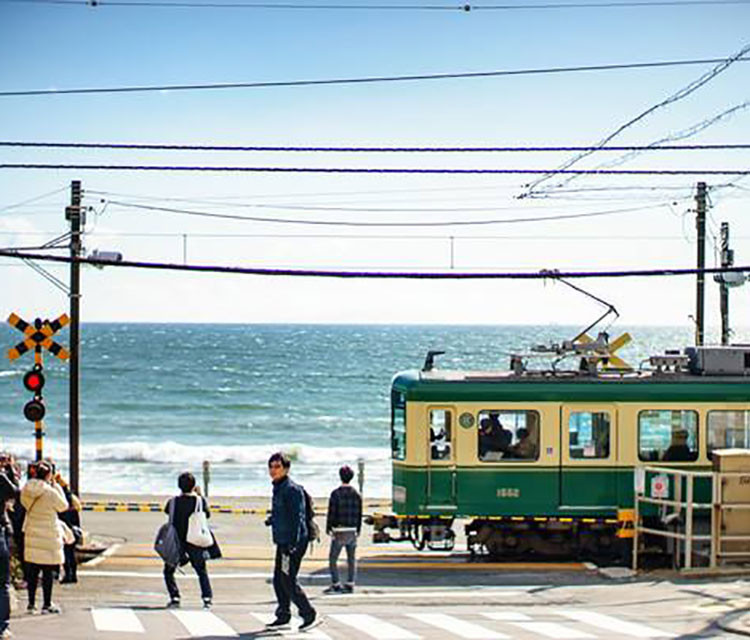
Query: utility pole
{"points": [[727, 260], [700, 285], [75, 215]]}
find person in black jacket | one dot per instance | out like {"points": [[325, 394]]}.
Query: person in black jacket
{"points": [[8, 492], [290, 535], [343, 524], [184, 506]]}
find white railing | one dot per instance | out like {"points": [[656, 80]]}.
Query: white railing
{"points": [[685, 540]]}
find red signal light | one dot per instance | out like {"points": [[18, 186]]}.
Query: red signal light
{"points": [[34, 381]]}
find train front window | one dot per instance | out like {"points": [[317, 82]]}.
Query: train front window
{"points": [[666, 435], [508, 436], [588, 434], [441, 434], [398, 425], [727, 430]]}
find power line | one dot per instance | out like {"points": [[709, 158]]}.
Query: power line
{"points": [[374, 170], [366, 80], [7, 207], [402, 275], [466, 8], [227, 216], [682, 93], [356, 149]]}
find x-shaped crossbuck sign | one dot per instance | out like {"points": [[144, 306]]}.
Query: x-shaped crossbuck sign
{"points": [[39, 334]]}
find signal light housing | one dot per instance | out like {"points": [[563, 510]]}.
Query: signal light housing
{"points": [[34, 380], [34, 410]]}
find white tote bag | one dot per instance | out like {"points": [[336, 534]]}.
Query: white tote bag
{"points": [[198, 533]]}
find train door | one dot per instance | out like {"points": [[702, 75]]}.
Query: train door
{"points": [[588, 457], [441, 459]]}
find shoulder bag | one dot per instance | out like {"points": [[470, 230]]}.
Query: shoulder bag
{"points": [[198, 533]]}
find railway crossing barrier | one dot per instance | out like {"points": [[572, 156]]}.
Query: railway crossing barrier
{"points": [[686, 521]]}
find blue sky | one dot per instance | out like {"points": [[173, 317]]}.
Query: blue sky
{"points": [[52, 46]]}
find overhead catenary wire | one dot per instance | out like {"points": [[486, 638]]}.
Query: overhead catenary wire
{"points": [[366, 149], [348, 223], [367, 79], [373, 170], [678, 95], [341, 6], [402, 275]]}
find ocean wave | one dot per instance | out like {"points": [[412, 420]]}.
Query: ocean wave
{"points": [[141, 451], [14, 372]]}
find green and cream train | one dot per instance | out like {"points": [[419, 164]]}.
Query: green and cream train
{"points": [[543, 461]]}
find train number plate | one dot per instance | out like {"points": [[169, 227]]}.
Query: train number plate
{"points": [[508, 492]]}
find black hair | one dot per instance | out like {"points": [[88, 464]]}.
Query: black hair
{"points": [[346, 474], [186, 482], [282, 458], [43, 471]]}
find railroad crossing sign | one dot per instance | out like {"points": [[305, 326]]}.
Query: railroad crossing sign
{"points": [[38, 335], [613, 361]]}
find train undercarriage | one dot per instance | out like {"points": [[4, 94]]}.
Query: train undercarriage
{"points": [[509, 538]]}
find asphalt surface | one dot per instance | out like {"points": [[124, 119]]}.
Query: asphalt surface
{"points": [[401, 594]]}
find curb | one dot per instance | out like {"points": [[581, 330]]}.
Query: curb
{"points": [[737, 622]]}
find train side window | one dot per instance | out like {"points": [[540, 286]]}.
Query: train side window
{"points": [[441, 434], [398, 425], [588, 434], [508, 435], [668, 435], [728, 429]]}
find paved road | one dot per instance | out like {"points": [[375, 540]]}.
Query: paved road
{"points": [[132, 605]]}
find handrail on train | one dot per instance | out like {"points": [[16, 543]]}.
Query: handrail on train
{"points": [[685, 540]]}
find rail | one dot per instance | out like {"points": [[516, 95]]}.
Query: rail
{"points": [[667, 485]]}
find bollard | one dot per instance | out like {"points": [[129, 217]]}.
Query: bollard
{"points": [[206, 476], [361, 475]]}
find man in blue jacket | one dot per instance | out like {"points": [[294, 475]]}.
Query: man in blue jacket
{"points": [[289, 526]]}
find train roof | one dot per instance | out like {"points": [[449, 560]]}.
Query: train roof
{"points": [[570, 386]]}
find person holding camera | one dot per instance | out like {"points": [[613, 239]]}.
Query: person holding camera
{"points": [[43, 498], [8, 492], [181, 508]]}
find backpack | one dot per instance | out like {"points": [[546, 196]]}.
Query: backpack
{"points": [[313, 530], [167, 544]]}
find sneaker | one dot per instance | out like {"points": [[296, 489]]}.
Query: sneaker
{"points": [[334, 588], [174, 603], [31, 610], [348, 588], [279, 623], [6, 635], [207, 603], [51, 608], [310, 623]]}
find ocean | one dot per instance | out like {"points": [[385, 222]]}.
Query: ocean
{"points": [[157, 399]]}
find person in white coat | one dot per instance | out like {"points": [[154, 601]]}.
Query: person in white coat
{"points": [[43, 499]]}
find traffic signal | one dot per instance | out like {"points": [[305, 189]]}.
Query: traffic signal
{"points": [[34, 381], [34, 410]]}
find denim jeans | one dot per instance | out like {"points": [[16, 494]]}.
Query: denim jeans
{"points": [[339, 540], [286, 586], [4, 581], [195, 555]]}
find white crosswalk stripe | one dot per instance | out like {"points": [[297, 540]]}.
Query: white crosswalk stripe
{"points": [[292, 631], [611, 624], [546, 629], [456, 626], [204, 623], [374, 627], [467, 626], [117, 619]]}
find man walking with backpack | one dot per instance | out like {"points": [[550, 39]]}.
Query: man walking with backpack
{"points": [[288, 522], [343, 524]]}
